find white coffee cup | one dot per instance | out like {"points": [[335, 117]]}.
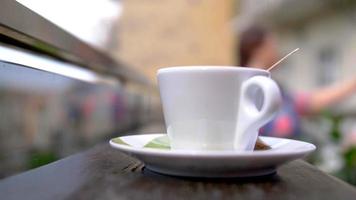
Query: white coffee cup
{"points": [[216, 107]]}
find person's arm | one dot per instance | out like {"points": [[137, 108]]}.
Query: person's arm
{"points": [[325, 97]]}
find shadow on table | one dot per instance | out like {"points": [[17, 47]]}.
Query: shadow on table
{"points": [[271, 178]]}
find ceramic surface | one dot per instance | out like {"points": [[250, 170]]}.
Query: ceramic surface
{"points": [[158, 157]]}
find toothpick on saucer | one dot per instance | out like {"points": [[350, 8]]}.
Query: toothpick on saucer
{"points": [[286, 56]]}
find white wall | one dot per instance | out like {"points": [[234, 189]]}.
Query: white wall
{"points": [[303, 70]]}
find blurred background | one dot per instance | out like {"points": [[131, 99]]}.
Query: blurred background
{"points": [[47, 116]]}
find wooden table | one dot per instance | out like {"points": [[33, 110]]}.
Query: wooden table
{"points": [[105, 173]]}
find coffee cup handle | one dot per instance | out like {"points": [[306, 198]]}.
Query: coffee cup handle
{"points": [[250, 119]]}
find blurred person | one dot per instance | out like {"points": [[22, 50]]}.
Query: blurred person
{"points": [[258, 48]]}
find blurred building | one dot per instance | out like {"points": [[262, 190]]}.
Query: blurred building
{"points": [[324, 30], [154, 34]]}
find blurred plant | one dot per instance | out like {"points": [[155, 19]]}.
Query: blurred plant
{"points": [[39, 158], [348, 171], [335, 133]]}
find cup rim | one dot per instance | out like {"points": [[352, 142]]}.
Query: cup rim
{"points": [[208, 68]]}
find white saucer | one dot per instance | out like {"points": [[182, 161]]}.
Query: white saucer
{"points": [[153, 150]]}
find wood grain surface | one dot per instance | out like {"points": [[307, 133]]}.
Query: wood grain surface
{"points": [[105, 173]]}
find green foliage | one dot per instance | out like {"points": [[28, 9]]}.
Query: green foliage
{"points": [[350, 157], [335, 130], [348, 172], [336, 120], [40, 158]]}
